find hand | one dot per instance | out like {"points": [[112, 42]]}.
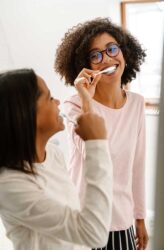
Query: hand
{"points": [[86, 88], [90, 126], [141, 234]]}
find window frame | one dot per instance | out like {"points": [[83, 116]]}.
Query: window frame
{"points": [[151, 103]]}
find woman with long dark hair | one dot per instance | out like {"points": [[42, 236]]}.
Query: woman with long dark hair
{"points": [[39, 205]]}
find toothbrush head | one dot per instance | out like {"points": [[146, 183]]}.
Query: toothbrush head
{"points": [[108, 70]]}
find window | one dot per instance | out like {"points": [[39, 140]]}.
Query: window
{"points": [[145, 20]]}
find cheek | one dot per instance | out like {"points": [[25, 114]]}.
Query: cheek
{"points": [[94, 66], [122, 60]]}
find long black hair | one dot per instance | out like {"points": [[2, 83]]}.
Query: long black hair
{"points": [[18, 95]]}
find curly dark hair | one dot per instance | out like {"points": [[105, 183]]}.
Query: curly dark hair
{"points": [[72, 53]]}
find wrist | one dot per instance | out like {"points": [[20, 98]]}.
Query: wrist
{"points": [[86, 105], [140, 222]]}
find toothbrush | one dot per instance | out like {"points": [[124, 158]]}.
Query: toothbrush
{"points": [[107, 71]]}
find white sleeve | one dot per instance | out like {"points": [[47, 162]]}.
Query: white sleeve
{"points": [[27, 204]]}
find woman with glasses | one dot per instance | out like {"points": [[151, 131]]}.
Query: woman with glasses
{"points": [[100, 50]]}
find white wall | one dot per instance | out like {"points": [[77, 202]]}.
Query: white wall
{"points": [[30, 31]]}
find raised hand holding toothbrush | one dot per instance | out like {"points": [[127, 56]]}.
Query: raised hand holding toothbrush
{"points": [[85, 84]]}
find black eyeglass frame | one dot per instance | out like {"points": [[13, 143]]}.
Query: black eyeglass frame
{"points": [[105, 50]]}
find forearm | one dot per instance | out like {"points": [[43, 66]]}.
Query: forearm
{"points": [[30, 206], [98, 173]]}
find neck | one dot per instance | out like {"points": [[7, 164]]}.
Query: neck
{"points": [[110, 95], [40, 149]]}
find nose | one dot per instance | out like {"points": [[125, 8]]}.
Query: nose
{"points": [[106, 58]]}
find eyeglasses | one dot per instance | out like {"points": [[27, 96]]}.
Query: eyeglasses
{"points": [[112, 50]]}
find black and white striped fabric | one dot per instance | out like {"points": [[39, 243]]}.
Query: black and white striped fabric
{"points": [[120, 240]]}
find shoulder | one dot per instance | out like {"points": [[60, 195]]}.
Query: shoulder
{"points": [[53, 151], [72, 105], [12, 182], [55, 157], [10, 175], [135, 98], [136, 106], [73, 100]]}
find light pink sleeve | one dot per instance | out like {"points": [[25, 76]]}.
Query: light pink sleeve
{"points": [[139, 169], [73, 110], [77, 152]]}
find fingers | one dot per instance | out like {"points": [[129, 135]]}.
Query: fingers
{"points": [[141, 243], [85, 83], [86, 76], [91, 126], [78, 119], [96, 80], [81, 81], [145, 241], [141, 234]]}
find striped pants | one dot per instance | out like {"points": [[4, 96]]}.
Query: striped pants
{"points": [[120, 240]]}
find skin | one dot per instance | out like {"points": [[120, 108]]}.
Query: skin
{"points": [[111, 95], [106, 89], [48, 119], [49, 122]]}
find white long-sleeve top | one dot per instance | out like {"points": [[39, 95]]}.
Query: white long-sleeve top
{"points": [[126, 141], [43, 212]]}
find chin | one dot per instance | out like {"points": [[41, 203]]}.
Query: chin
{"points": [[61, 127]]}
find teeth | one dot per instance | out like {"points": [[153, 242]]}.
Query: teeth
{"points": [[109, 70]]}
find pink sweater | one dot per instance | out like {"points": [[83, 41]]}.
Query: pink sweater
{"points": [[126, 133]]}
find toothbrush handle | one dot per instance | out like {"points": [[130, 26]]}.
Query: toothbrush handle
{"points": [[98, 73]]}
